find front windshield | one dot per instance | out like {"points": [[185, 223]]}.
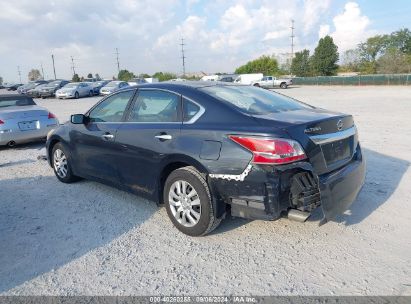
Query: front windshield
{"points": [[112, 84], [54, 83], [13, 102], [71, 85], [254, 100]]}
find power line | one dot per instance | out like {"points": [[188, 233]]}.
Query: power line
{"points": [[118, 62], [19, 72], [292, 38], [72, 65], [42, 70], [54, 68], [183, 57]]}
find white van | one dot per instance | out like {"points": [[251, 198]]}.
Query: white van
{"points": [[209, 78], [248, 78]]}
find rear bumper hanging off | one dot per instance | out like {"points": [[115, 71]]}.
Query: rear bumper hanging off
{"points": [[266, 191]]}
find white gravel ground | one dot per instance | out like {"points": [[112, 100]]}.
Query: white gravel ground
{"points": [[90, 239]]}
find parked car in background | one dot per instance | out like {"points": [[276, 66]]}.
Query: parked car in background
{"points": [[75, 90], [50, 89], [209, 78], [248, 78], [151, 79], [98, 85], [13, 86], [21, 120], [136, 81], [227, 78], [185, 145], [36, 91], [31, 85], [271, 82], [113, 86]]}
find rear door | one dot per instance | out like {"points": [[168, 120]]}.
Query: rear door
{"points": [[94, 143], [148, 137]]}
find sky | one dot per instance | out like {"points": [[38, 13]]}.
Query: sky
{"points": [[219, 35]]}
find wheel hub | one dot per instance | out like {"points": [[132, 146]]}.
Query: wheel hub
{"points": [[184, 203]]}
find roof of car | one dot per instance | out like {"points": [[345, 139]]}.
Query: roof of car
{"points": [[13, 96], [185, 84]]}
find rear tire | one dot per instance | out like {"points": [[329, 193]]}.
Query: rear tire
{"points": [[90, 94], [256, 85], [283, 85], [188, 202], [61, 164]]}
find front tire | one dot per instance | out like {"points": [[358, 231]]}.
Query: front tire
{"points": [[61, 164], [76, 95], [188, 202]]}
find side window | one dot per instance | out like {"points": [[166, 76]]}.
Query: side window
{"points": [[112, 108], [155, 106], [269, 78], [189, 110]]}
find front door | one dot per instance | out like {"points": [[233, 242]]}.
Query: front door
{"points": [[95, 143], [148, 137]]}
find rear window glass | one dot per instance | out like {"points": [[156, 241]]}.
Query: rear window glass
{"points": [[12, 102], [254, 100]]}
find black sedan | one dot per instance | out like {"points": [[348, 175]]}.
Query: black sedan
{"points": [[206, 150]]}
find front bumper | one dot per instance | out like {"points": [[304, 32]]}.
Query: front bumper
{"points": [[47, 94], [65, 95], [266, 192]]}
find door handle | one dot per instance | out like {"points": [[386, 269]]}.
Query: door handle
{"points": [[107, 136], [164, 137]]}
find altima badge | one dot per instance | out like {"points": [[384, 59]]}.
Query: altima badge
{"points": [[340, 125]]}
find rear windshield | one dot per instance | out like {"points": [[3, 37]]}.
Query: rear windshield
{"points": [[12, 102], [254, 100]]}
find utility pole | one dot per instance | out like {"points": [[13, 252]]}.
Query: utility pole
{"points": [[54, 68], [183, 57], [42, 70], [118, 62], [292, 42], [72, 65], [19, 72]]}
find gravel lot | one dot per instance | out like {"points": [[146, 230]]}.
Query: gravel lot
{"points": [[90, 239]]}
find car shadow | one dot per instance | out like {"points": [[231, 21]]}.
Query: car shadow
{"points": [[383, 176], [38, 145], [52, 224]]}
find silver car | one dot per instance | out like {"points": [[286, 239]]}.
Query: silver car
{"points": [[21, 120], [75, 90], [112, 87]]}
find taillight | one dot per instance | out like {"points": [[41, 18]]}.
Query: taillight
{"points": [[1, 122], [51, 115], [271, 150]]}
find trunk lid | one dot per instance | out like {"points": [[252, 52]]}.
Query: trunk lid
{"points": [[22, 112], [328, 138]]}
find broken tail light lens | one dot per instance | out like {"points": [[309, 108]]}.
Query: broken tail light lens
{"points": [[271, 150], [51, 115]]}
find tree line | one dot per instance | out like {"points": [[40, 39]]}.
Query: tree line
{"points": [[382, 54]]}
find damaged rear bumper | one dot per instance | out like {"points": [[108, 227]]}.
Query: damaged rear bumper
{"points": [[267, 192]]}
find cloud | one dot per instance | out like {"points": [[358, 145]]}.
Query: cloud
{"points": [[219, 35], [324, 30], [313, 10], [351, 27]]}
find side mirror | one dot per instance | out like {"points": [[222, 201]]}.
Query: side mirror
{"points": [[78, 119]]}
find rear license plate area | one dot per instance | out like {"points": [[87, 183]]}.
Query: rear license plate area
{"points": [[29, 125], [338, 150]]}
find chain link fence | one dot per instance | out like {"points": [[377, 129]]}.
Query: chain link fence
{"points": [[395, 79]]}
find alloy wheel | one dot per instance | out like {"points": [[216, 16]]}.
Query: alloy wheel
{"points": [[184, 203], [60, 163]]}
